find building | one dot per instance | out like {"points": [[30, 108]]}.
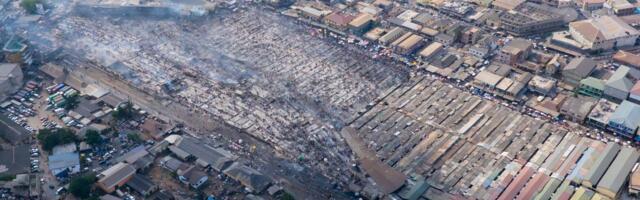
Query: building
{"points": [[471, 35], [618, 86], [514, 52], [634, 181], [15, 51], [115, 176], [530, 19], [542, 85], [186, 147], [391, 36], [193, 176], [507, 4], [592, 87], [156, 129], [172, 164], [578, 69], [430, 51], [622, 7], [313, 13], [590, 5], [338, 20], [601, 113], [249, 177], [410, 45], [600, 165], [577, 108], [627, 58], [138, 157], [618, 173], [64, 164], [634, 94], [10, 79], [142, 185], [625, 120], [361, 24], [603, 33]]}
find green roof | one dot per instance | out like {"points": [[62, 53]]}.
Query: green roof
{"points": [[14, 45], [593, 82]]}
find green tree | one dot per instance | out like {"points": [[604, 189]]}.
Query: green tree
{"points": [[134, 137], [81, 186], [124, 111], [71, 102], [93, 138], [50, 138], [30, 5], [286, 196]]}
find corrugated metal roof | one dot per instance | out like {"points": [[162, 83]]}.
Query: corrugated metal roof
{"points": [[63, 160], [618, 172], [548, 189], [601, 164], [627, 114]]}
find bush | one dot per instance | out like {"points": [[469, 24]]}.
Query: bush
{"points": [[8, 177], [81, 186], [50, 138]]}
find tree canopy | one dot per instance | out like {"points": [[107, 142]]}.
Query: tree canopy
{"points": [[30, 5], [124, 111], [50, 138], [71, 102], [93, 138], [81, 186], [134, 137]]}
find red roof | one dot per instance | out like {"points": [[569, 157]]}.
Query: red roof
{"points": [[339, 19]]}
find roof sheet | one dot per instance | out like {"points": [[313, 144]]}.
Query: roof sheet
{"points": [[116, 173], [602, 163], [593, 82], [619, 170], [63, 160], [628, 114], [581, 66], [488, 78]]}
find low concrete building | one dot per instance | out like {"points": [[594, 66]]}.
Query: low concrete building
{"points": [[625, 120], [601, 113], [578, 69], [542, 85], [115, 176], [64, 164], [142, 185], [249, 177], [515, 51], [627, 58], [430, 51], [361, 24], [193, 176], [577, 108], [592, 87], [618, 86]]}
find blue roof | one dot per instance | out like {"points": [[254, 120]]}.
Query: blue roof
{"points": [[63, 160], [628, 114]]}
